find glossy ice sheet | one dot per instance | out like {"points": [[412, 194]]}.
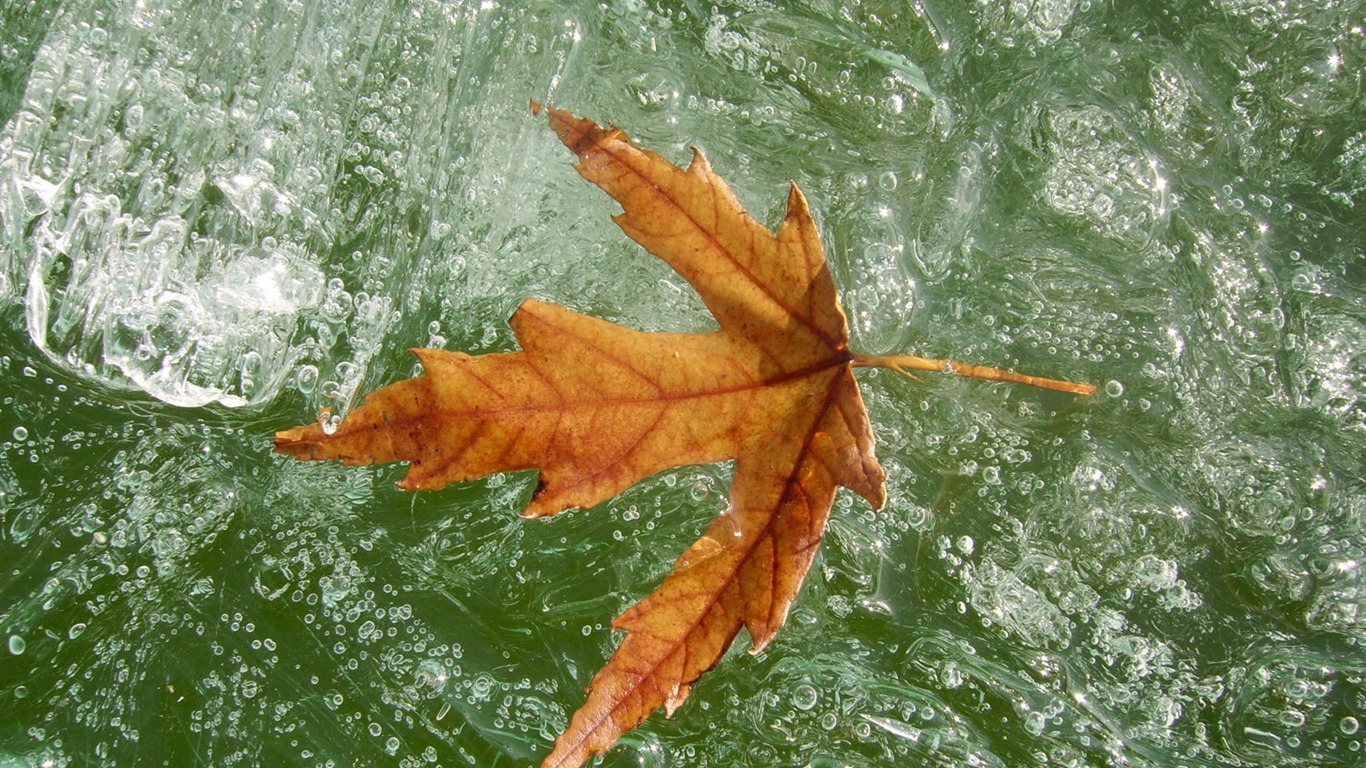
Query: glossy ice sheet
{"points": [[214, 222]]}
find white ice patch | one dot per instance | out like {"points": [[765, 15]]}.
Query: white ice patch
{"points": [[189, 320]]}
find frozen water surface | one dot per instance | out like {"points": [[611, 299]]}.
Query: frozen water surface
{"points": [[215, 221]]}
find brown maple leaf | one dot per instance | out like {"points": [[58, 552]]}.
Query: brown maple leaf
{"points": [[596, 407]]}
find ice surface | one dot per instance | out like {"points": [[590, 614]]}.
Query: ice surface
{"points": [[264, 206], [178, 216]]}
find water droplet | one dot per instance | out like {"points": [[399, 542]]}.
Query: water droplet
{"points": [[17, 645], [1349, 725], [20, 434], [1114, 388], [75, 630]]}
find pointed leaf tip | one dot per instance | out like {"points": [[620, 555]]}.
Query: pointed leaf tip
{"points": [[699, 166], [796, 201]]}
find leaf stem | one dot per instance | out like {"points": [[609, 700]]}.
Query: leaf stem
{"points": [[904, 364]]}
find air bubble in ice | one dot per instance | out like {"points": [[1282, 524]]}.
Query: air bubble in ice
{"points": [[919, 518], [328, 422], [306, 380], [250, 372], [481, 687], [431, 677], [805, 697]]}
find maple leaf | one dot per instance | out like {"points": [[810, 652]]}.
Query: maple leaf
{"points": [[596, 407]]}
